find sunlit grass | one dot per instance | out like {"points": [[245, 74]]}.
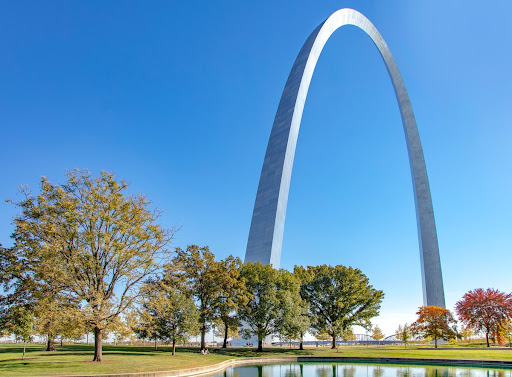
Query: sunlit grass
{"points": [[76, 359]]}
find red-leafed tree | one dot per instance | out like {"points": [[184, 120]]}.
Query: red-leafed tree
{"points": [[434, 322], [485, 310]]}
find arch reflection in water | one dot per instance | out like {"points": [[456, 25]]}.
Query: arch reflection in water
{"points": [[360, 370]]}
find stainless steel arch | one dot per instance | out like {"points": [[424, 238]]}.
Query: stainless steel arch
{"points": [[267, 226]]}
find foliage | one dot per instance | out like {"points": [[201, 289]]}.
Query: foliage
{"points": [[485, 310], [20, 322], [294, 321], [506, 331], [348, 334], [92, 241], [199, 276], [339, 297], [466, 333], [377, 333], [404, 334], [272, 294], [435, 322], [232, 294], [166, 313]]}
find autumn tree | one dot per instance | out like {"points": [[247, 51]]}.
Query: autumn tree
{"points": [[339, 297], [485, 310], [93, 241], [403, 334], [271, 292], [377, 333], [506, 331], [435, 322], [466, 333]]}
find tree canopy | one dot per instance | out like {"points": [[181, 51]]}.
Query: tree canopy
{"points": [[435, 322], [339, 297], [485, 310], [90, 239]]}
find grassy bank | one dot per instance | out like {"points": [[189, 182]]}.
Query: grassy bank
{"points": [[76, 359]]}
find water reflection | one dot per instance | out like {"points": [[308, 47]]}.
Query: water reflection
{"points": [[359, 370]]}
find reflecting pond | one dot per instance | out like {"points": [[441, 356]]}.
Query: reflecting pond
{"points": [[313, 369]]}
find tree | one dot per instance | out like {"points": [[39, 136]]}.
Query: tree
{"points": [[506, 331], [94, 241], [21, 324], [377, 333], [233, 329], [321, 335], [403, 333], [485, 310], [435, 322], [271, 292], [294, 321], [57, 314], [200, 276], [466, 333], [348, 335], [232, 294], [339, 297]]}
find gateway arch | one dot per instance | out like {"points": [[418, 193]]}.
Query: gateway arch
{"points": [[267, 225]]}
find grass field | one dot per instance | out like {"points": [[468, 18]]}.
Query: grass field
{"points": [[76, 359]]}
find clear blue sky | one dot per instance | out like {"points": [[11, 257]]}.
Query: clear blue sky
{"points": [[178, 98]]}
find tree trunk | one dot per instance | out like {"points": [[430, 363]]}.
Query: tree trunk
{"points": [[203, 337], [487, 339], [225, 344], [61, 341], [333, 342], [50, 346], [301, 346], [435, 341], [23, 356], [98, 354], [174, 347], [87, 335], [156, 345], [260, 345]]}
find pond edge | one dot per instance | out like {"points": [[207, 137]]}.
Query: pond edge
{"points": [[223, 365]]}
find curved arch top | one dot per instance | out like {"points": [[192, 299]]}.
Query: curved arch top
{"points": [[267, 226]]}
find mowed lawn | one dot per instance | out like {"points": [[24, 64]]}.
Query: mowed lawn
{"points": [[76, 359]]}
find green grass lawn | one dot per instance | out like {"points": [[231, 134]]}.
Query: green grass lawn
{"points": [[76, 359]]}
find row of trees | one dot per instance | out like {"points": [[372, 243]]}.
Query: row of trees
{"points": [[195, 292], [88, 257], [480, 311]]}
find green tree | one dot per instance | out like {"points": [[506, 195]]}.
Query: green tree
{"points": [[339, 297], [377, 333], [435, 322], [404, 334], [200, 276], [56, 314], [20, 323], [271, 292], [232, 294], [92, 240], [180, 320], [294, 320], [348, 335]]}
